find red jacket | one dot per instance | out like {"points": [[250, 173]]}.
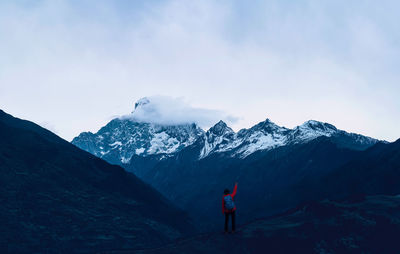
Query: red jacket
{"points": [[232, 195]]}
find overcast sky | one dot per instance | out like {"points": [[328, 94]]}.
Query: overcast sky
{"points": [[72, 66]]}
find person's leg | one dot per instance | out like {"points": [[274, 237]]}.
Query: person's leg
{"points": [[233, 221], [226, 221]]}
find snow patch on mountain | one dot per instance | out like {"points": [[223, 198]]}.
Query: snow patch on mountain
{"points": [[116, 143], [139, 151], [163, 143], [260, 141]]}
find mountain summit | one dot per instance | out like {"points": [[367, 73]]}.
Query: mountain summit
{"points": [[120, 139]]}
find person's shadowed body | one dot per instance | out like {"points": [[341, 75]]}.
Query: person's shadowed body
{"points": [[229, 208]]}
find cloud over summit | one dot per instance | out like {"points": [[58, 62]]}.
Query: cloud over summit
{"points": [[167, 110]]}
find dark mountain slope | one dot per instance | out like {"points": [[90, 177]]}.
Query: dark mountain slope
{"points": [[56, 198], [375, 171], [370, 226]]}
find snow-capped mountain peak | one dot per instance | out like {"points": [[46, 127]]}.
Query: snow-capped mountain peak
{"points": [[217, 139], [220, 128], [310, 130], [262, 136], [267, 126], [316, 125], [124, 137], [120, 139]]}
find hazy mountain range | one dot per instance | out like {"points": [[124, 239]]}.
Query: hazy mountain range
{"points": [[191, 166]]}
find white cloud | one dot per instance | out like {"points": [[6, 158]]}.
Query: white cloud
{"points": [[166, 110]]}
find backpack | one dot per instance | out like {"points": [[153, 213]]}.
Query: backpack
{"points": [[228, 203]]}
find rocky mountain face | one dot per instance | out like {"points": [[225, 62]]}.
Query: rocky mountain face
{"points": [[374, 171], [56, 198], [120, 139]]}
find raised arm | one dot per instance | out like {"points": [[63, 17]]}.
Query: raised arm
{"points": [[234, 190]]}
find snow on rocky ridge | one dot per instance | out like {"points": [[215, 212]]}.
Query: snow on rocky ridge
{"points": [[125, 137], [120, 139], [267, 135]]}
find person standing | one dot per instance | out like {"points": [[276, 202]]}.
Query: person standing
{"points": [[229, 208]]}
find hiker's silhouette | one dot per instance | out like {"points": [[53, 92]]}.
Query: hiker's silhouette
{"points": [[229, 208]]}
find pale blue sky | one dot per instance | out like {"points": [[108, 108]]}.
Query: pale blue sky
{"points": [[73, 65]]}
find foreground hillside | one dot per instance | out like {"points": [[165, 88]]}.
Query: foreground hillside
{"points": [[56, 198], [369, 225]]}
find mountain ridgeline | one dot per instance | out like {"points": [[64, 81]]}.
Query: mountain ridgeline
{"points": [[123, 138], [277, 168], [56, 198]]}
